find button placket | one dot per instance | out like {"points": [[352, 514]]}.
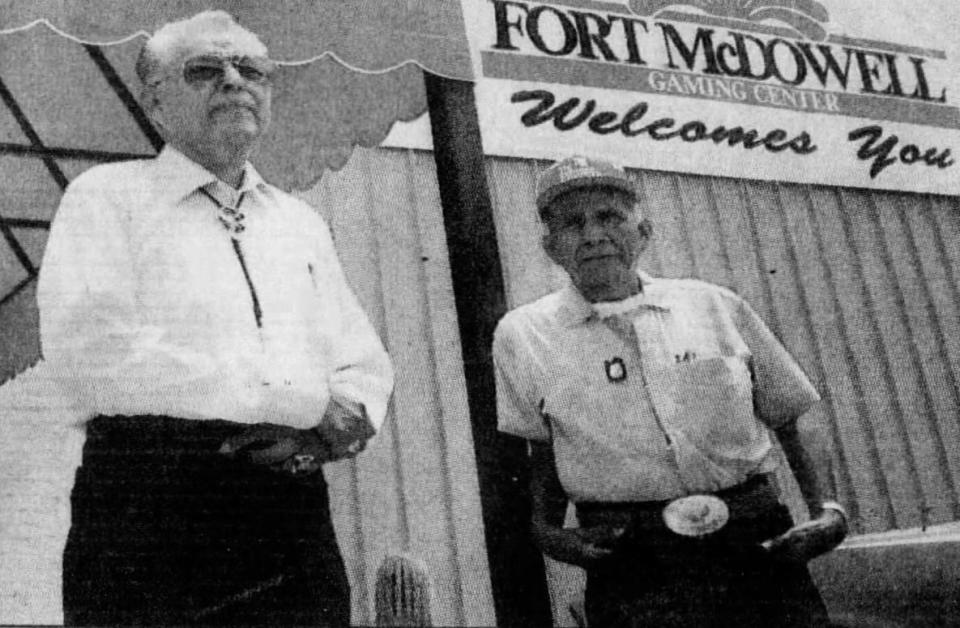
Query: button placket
{"points": [[626, 327]]}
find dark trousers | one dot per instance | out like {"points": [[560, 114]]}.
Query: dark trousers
{"points": [[167, 531], [659, 578]]}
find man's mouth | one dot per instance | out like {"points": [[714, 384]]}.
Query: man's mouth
{"points": [[597, 257], [230, 106]]}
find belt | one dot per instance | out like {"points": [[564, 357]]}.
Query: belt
{"points": [[141, 437], [750, 500]]}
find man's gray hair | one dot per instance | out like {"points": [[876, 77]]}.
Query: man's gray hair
{"points": [[163, 45]]}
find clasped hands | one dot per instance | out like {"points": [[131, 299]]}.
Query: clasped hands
{"points": [[585, 546], [342, 433]]}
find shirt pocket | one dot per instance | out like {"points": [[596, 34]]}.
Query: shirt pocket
{"points": [[711, 401]]}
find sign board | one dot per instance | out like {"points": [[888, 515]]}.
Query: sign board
{"points": [[764, 89]]}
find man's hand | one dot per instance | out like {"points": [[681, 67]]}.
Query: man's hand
{"points": [[343, 431], [805, 448], [578, 546], [270, 444], [811, 539]]}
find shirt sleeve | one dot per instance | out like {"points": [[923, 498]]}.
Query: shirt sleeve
{"points": [[92, 335], [518, 408], [360, 369], [782, 392]]}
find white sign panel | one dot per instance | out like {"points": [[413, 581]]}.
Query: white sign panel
{"points": [[763, 89]]}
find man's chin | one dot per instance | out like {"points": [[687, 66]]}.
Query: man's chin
{"points": [[601, 266], [608, 275], [238, 134], [238, 118]]}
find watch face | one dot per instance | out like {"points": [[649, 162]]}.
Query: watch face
{"points": [[696, 515]]}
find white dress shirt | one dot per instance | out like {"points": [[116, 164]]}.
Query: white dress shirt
{"points": [[673, 396], [145, 307]]}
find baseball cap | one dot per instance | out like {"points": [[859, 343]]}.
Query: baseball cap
{"points": [[580, 172]]}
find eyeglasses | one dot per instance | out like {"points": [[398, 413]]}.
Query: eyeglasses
{"points": [[207, 68]]}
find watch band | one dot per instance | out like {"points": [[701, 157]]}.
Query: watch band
{"points": [[835, 505]]}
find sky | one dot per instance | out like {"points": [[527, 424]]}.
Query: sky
{"points": [[926, 23]]}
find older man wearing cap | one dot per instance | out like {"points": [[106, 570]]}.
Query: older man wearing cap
{"points": [[649, 404], [202, 322]]}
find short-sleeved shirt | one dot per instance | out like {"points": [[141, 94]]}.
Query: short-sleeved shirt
{"points": [[675, 397]]}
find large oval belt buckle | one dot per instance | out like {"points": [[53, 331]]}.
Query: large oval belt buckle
{"points": [[696, 515]]}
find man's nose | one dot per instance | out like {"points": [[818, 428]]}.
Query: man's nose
{"points": [[593, 231], [231, 76]]}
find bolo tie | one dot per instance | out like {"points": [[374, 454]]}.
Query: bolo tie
{"points": [[232, 220]]}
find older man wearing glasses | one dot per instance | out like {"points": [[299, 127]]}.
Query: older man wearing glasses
{"points": [[201, 321]]}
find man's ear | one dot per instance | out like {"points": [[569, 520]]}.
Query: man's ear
{"points": [[150, 101], [645, 228]]}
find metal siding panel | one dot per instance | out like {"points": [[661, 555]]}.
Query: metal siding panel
{"points": [[859, 345], [419, 441], [789, 316], [946, 219], [944, 294], [527, 271], [821, 325], [702, 228], [416, 485], [34, 495], [746, 277], [669, 246], [885, 388], [862, 483], [365, 533], [462, 485], [779, 290], [932, 396]]}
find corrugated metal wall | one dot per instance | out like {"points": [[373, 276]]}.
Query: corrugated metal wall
{"points": [[862, 287], [414, 489]]}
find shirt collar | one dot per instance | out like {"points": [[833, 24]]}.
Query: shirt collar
{"points": [[574, 309], [180, 176]]}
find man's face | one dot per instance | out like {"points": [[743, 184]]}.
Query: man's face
{"points": [[206, 103], [596, 234]]}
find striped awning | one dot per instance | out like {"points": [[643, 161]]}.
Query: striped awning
{"points": [[370, 35]]}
